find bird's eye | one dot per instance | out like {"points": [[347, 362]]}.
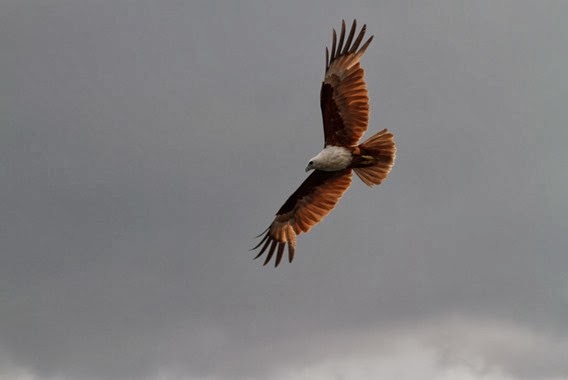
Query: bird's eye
{"points": [[310, 163]]}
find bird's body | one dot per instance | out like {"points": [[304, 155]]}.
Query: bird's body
{"points": [[345, 110]]}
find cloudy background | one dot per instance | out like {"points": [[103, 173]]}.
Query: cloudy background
{"points": [[144, 143]]}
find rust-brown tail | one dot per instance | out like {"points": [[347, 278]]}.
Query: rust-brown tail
{"points": [[380, 150]]}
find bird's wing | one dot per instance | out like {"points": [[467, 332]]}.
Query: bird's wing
{"points": [[344, 97], [306, 207]]}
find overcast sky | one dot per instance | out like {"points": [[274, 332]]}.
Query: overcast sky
{"points": [[143, 145]]}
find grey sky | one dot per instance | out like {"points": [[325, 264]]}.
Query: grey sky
{"points": [[143, 145]]}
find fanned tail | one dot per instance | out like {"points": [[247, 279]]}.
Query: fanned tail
{"points": [[378, 155]]}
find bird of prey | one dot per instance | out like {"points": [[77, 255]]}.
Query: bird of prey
{"points": [[345, 110]]}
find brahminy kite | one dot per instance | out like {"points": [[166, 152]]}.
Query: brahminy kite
{"points": [[345, 109]]}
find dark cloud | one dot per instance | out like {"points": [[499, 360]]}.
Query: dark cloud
{"points": [[143, 145]]}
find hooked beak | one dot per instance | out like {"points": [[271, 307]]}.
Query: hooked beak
{"points": [[308, 168]]}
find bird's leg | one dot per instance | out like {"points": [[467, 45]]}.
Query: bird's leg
{"points": [[367, 160]]}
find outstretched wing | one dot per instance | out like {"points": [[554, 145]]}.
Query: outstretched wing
{"points": [[344, 98], [306, 207]]}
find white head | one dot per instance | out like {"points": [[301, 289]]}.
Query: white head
{"points": [[331, 158], [315, 162]]}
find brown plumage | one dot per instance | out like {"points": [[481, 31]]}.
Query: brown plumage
{"points": [[344, 98], [309, 204], [345, 112], [381, 148]]}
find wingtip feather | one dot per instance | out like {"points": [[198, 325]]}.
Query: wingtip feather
{"points": [[263, 249], [333, 42], [341, 37], [270, 252], [279, 254]]}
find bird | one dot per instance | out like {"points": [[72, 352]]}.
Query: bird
{"points": [[344, 102]]}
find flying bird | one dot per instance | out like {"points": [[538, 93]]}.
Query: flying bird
{"points": [[344, 104]]}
